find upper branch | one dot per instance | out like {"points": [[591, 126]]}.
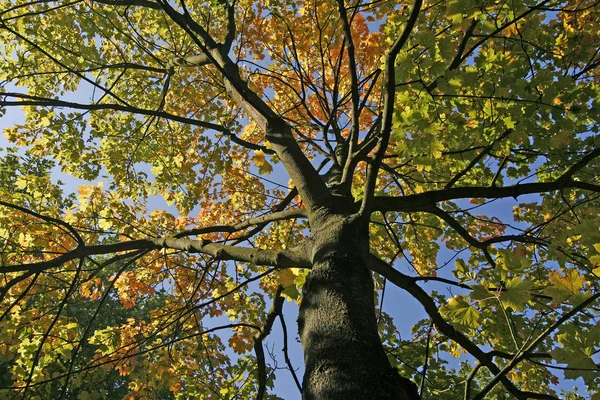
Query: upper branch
{"points": [[353, 76], [477, 158], [388, 107], [310, 186], [466, 55]]}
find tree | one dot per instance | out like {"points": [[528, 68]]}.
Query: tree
{"points": [[238, 154]]}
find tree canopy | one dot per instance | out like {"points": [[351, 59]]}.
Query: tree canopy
{"points": [[239, 155]]}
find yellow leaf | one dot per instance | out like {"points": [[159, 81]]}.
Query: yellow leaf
{"points": [[21, 183], [286, 277], [104, 224], [261, 163]]}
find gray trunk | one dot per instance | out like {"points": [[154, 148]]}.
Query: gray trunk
{"points": [[343, 355]]}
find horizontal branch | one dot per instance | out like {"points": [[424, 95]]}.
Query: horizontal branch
{"points": [[28, 100], [129, 3], [423, 201], [281, 259]]}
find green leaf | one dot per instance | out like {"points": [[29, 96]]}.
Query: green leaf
{"points": [[578, 347], [460, 311], [516, 294], [462, 271]]}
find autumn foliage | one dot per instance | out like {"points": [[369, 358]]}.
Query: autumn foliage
{"points": [[210, 153]]}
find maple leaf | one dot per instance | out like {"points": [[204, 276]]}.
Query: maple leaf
{"points": [[516, 294], [567, 287], [460, 310], [261, 162]]}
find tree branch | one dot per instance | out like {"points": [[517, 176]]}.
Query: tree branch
{"points": [[54, 221], [388, 109], [276, 309], [477, 158], [311, 187], [261, 220], [353, 140], [421, 201], [407, 283], [46, 102], [286, 355], [280, 259], [522, 354], [129, 3]]}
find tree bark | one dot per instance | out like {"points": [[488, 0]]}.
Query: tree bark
{"points": [[343, 354]]}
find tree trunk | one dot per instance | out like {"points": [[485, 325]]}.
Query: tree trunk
{"points": [[343, 354]]}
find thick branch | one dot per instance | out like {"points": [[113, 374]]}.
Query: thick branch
{"points": [[353, 78], [280, 259], [422, 201], [311, 187]]}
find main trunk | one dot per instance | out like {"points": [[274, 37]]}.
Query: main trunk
{"points": [[343, 355]]}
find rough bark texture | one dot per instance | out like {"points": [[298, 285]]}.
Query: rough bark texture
{"points": [[343, 355]]}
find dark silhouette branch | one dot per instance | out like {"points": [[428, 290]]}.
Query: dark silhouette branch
{"points": [[457, 60], [477, 158], [54, 221], [106, 360], [422, 201], [276, 310], [132, 258], [129, 3], [354, 85], [407, 283], [466, 55], [286, 355], [29, 100], [426, 365], [36, 356]]}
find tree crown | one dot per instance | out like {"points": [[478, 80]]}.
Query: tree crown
{"points": [[217, 138]]}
